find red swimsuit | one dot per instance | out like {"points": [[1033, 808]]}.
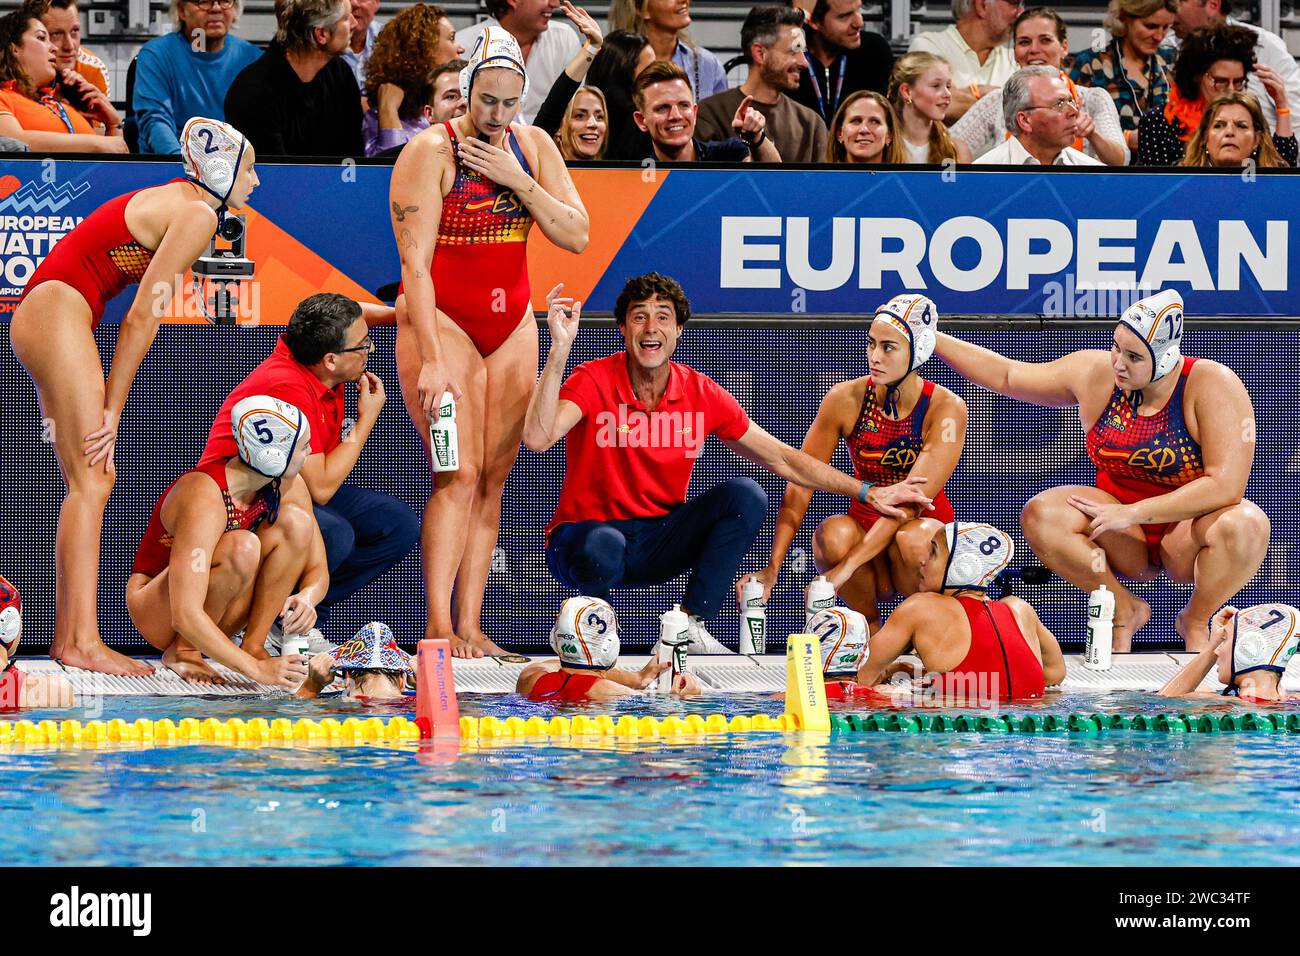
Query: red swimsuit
{"points": [[99, 258], [1143, 456], [884, 449], [155, 551], [11, 688], [561, 685], [480, 263], [1000, 664], [851, 690]]}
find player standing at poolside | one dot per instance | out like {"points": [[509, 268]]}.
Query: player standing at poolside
{"points": [[148, 236], [464, 195]]}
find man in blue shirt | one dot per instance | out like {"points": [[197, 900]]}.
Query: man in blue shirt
{"points": [[187, 73]]}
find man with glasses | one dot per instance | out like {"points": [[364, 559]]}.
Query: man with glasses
{"points": [[1043, 121], [325, 347], [300, 98], [187, 73], [976, 47]]}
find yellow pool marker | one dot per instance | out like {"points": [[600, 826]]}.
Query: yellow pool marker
{"points": [[805, 689]]}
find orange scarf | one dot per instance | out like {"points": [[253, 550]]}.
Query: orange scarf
{"points": [[1183, 115]]}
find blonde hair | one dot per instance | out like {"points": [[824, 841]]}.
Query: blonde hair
{"points": [[626, 15], [564, 135], [893, 153], [1266, 155], [908, 69], [1120, 12]]}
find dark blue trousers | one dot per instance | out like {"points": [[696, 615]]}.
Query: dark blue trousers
{"points": [[707, 536], [366, 533]]}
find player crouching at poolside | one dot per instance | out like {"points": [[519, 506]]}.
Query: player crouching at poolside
{"points": [[372, 665], [226, 546], [585, 637], [1251, 648], [19, 689], [979, 650]]}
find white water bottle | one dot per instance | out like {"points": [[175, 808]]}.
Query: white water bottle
{"points": [[821, 595], [753, 617], [444, 442], [1101, 618], [674, 632], [295, 644]]}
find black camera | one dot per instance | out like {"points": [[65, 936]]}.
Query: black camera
{"points": [[223, 263]]}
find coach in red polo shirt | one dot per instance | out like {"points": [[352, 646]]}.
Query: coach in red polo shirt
{"points": [[635, 424], [325, 347]]}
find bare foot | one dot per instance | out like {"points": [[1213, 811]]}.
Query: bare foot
{"points": [[189, 665], [1195, 634], [1129, 619], [483, 643], [99, 657]]}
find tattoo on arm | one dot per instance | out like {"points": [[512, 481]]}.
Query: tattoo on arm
{"points": [[400, 211]]}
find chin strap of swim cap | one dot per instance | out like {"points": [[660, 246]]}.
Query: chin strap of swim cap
{"points": [[207, 146], [977, 554], [916, 317], [1158, 321], [1264, 637]]}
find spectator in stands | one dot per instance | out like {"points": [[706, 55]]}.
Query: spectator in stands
{"points": [[621, 59], [865, 130], [772, 39], [365, 31], [175, 81], [976, 49], [1043, 120], [666, 111], [920, 90], [663, 23], [551, 116], [1270, 49], [398, 74], [442, 99], [1233, 132], [1210, 61], [300, 98], [842, 57], [1133, 68], [547, 48], [62, 20], [1039, 39], [40, 108], [583, 129]]}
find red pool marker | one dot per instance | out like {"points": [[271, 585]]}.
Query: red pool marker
{"points": [[436, 712]]}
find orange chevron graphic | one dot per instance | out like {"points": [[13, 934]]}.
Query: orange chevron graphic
{"points": [[615, 201]]}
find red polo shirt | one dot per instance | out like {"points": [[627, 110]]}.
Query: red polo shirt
{"points": [[624, 462], [282, 376]]}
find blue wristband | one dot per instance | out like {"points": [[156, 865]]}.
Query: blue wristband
{"points": [[862, 492]]}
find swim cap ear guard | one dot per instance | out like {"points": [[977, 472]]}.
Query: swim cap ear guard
{"points": [[11, 619], [1264, 638], [266, 433], [844, 636], [211, 152], [585, 635], [1158, 321], [917, 318], [493, 48], [977, 554]]}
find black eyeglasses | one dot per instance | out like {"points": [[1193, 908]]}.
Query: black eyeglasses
{"points": [[366, 346]]}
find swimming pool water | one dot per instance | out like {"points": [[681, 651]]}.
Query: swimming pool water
{"points": [[916, 799]]}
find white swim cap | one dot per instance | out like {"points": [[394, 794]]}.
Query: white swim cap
{"points": [[266, 432], [211, 151], [1158, 321], [843, 633], [586, 634], [916, 317], [1264, 638], [977, 554], [11, 618], [493, 48]]}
